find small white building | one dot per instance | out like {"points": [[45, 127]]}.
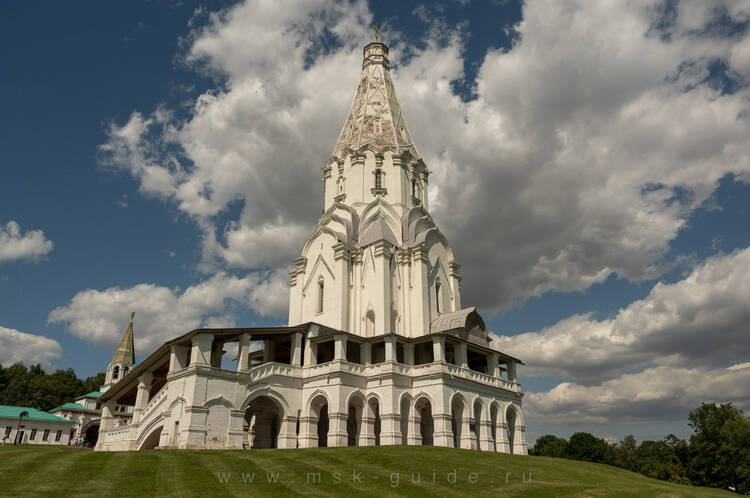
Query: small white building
{"points": [[378, 350], [24, 425]]}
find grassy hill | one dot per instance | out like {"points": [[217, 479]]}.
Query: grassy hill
{"points": [[62, 471]]}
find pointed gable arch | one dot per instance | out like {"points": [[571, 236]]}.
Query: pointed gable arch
{"points": [[319, 268]]}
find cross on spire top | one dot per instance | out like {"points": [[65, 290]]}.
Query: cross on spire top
{"points": [[377, 33]]}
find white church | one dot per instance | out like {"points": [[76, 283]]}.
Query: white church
{"points": [[378, 350]]}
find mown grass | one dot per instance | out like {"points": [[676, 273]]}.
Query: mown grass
{"points": [[371, 471]]}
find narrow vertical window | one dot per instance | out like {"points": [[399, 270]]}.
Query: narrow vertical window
{"points": [[413, 187], [321, 288], [438, 296], [378, 179]]}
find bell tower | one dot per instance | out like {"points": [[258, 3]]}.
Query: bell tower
{"points": [[376, 263], [123, 360]]}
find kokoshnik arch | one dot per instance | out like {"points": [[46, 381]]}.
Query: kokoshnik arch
{"points": [[378, 350]]}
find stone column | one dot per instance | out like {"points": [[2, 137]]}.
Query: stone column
{"points": [[390, 429], [466, 434], [311, 352], [296, 359], [201, 349], [512, 376], [178, 356], [340, 347], [460, 350], [382, 297], [443, 435], [296, 282], [367, 428], [409, 353], [366, 353], [356, 305], [402, 260], [337, 435], [455, 283], [108, 415], [420, 302], [308, 432], [485, 434], [414, 437], [493, 365], [341, 265], [243, 354], [438, 348], [288, 433], [502, 444], [390, 348], [142, 395]]}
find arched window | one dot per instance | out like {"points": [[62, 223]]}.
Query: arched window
{"points": [[321, 288], [124, 371], [378, 179], [413, 187], [115, 372], [438, 296]]}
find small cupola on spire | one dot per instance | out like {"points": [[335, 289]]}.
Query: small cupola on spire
{"points": [[375, 53], [124, 358]]}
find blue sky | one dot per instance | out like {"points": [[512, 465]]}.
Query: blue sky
{"points": [[591, 174]]}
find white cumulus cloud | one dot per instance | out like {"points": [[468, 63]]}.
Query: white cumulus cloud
{"points": [[100, 317], [700, 320], [659, 394], [15, 245], [29, 349]]}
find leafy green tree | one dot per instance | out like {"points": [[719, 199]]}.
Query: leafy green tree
{"points": [[589, 448], [549, 445], [719, 454], [94, 382], [33, 387], [625, 453]]}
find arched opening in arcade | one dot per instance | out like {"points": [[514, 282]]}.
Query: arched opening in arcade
{"points": [[510, 416], [263, 417], [90, 433], [373, 417], [457, 417], [152, 440], [476, 427], [423, 410], [405, 413], [354, 420], [493, 425], [319, 417]]}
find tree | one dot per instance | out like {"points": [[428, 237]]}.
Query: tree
{"points": [[625, 453], [549, 445], [719, 454], [587, 447], [34, 387]]}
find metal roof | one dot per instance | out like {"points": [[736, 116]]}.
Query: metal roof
{"points": [[12, 412]]}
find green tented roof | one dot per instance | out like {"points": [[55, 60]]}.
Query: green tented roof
{"points": [[72, 406], [34, 414], [92, 394]]}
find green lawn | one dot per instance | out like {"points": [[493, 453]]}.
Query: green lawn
{"points": [[62, 471]]}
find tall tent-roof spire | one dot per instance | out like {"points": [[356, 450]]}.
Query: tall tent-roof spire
{"points": [[125, 352], [375, 119]]}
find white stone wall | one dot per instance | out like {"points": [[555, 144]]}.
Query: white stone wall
{"points": [[40, 427]]}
